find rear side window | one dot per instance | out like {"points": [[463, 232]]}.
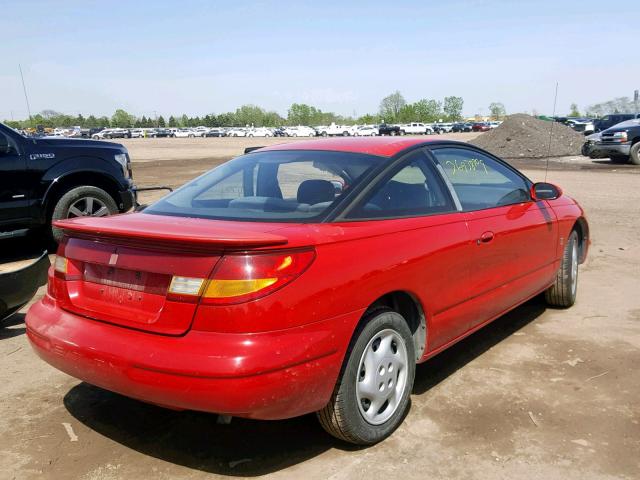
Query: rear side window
{"points": [[479, 181], [270, 186], [413, 189]]}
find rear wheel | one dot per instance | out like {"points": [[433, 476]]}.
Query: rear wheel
{"points": [[563, 291], [82, 201], [372, 394], [634, 155]]}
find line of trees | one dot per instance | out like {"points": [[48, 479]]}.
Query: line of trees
{"points": [[393, 109]]}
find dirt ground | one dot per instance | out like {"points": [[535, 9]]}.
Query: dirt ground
{"points": [[539, 394]]}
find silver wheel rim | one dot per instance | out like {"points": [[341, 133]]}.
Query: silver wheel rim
{"points": [[382, 377], [574, 268], [88, 207]]}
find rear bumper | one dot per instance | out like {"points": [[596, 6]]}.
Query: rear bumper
{"points": [[614, 148], [270, 375]]}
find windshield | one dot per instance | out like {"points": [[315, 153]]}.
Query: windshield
{"points": [[294, 186]]}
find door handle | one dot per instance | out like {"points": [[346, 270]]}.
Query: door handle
{"points": [[486, 237]]}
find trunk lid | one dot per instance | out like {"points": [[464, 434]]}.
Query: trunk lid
{"points": [[120, 268]]}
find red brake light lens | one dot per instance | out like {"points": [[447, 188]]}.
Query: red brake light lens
{"points": [[243, 277]]}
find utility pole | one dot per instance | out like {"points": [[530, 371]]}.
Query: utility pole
{"points": [[155, 116]]}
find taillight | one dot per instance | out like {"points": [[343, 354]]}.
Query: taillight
{"points": [[66, 269], [243, 277]]}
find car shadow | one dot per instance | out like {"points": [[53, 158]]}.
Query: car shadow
{"points": [[435, 370], [250, 447]]}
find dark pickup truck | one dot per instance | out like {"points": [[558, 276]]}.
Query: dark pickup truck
{"points": [[392, 130], [44, 179], [621, 143], [609, 121]]}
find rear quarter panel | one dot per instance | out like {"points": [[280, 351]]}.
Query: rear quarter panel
{"points": [[356, 263]]}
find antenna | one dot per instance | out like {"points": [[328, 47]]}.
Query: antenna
{"points": [[555, 100], [24, 88]]}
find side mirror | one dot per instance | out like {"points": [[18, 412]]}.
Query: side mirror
{"points": [[545, 191]]}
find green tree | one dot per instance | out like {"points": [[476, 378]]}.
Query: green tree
{"points": [[428, 110], [161, 122], [368, 119], [122, 119], [391, 105], [452, 108], [574, 110], [172, 121], [497, 111]]}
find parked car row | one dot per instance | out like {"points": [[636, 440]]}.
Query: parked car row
{"points": [[413, 128], [589, 126]]}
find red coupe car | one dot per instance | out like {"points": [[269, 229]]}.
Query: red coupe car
{"points": [[306, 277]]}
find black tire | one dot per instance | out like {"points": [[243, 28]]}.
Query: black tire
{"points": [[324, 134], [62, 206], [392, 133], [342, 416], [586, 149], [634, 154], [345, 134], [563, 291], [402, 132]]}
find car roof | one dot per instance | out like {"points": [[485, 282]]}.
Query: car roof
{"points": [[382, 146]]}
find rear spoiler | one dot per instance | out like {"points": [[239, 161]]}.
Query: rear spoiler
{"points": [[251, 149], [160, 230]]}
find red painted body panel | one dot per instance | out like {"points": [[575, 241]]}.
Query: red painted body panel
{"points": [[279, 356], [383, 146], [173, 230], [272, 375]]}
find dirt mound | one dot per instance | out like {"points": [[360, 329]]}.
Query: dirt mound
{"points": [[523, 136]]}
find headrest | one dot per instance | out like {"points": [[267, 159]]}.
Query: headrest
{"points": [[316, 191]]}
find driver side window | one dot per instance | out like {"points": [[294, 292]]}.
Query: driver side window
{"points": [[7, 146], [480, 181], [413, 189]]}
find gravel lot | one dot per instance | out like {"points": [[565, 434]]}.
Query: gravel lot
{"points": [[540, 393]]}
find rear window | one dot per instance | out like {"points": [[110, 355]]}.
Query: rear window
{"points": [[295, 186]]}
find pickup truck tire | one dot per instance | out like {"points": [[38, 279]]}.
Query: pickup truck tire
{"points": [[324, 134], [392, 133], [634, 154], [96, 202], [345, 134], [401, 132]]}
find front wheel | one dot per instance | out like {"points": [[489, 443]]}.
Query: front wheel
{"points": [[84, 201], [372, 394], [634, 154], [565, 287]]}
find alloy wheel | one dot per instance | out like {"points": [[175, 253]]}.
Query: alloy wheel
{"points": [[88, 207]]}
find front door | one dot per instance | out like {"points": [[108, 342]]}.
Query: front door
{"points": [[14, 192], [514, 239]]}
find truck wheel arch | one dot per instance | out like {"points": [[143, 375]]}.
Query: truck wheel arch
{"points": [[60, 185]]}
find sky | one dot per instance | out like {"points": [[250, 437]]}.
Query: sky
{"points": [[199, 57]]}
